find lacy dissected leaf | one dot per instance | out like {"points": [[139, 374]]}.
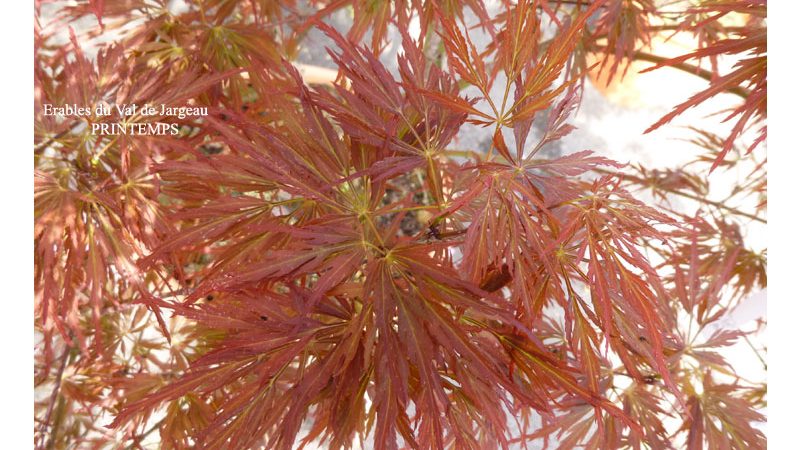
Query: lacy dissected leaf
{"points": [[622, 28], [716, 260], [720, 419], [409, 305], [748, 78], [344, 264]]}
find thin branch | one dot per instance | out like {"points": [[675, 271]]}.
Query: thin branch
{"points": [[683, 66], [755, 350], [53, 398], [694, 197], [44, 145], [138, 439], [688, 68]]}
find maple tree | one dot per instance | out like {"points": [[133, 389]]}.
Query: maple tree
{"points": [[320, 263]]}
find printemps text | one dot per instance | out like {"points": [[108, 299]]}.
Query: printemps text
{"points": [[133, 117]]}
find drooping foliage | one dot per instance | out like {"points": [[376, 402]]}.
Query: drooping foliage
{"points": [[335, 263]]}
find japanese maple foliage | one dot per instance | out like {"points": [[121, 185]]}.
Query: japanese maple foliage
{"points": [[334, 264]]}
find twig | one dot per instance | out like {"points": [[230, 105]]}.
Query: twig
{"points": [[696, 198], [688, 68], [683, 66], [41, 147], [138, 439], [755, 350], [50, 407]]}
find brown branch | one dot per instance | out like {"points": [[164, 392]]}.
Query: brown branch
{"points": [[53, 398], [138, 439], [41, 147], [688, 68], [682, 66]]}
